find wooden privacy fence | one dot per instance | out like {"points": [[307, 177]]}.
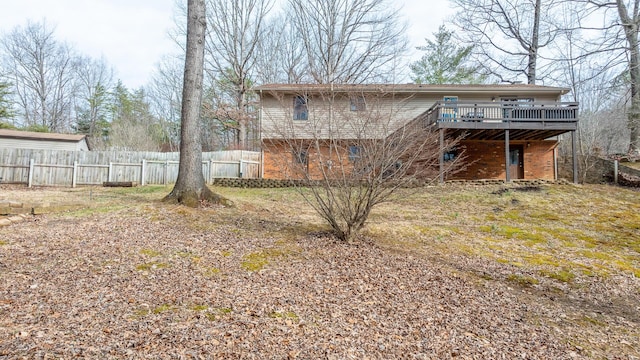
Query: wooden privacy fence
{"points": [[72, 168]]}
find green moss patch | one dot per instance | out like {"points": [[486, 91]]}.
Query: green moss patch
{"points": [[283, 315], [153, 265], [522, 280], [163, 308], [217, 313], [564, 275], [257, 260], [150, 252]]}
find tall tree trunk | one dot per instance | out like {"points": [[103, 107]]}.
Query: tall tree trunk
{"points": [[630, 26], [243, 117], [190, 188], [533, 49]]}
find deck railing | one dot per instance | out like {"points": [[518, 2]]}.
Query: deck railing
{"points": [[492, 112]]}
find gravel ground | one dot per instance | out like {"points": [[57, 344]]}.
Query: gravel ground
{"points": [[143, 282]]}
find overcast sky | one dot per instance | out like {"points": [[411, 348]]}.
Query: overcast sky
{"points": [[132, 34]]}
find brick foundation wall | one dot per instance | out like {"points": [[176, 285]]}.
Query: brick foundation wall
{"points": [[486, 159], [279, 161]]}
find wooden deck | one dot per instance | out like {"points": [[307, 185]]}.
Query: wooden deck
{"points": [[489, 120], [503, 120]]}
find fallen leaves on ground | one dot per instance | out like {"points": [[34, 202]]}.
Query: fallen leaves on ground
{"points": [[144, 283]]}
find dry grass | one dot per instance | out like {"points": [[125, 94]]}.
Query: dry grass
{"points": [[476, 272], [635, 165]]}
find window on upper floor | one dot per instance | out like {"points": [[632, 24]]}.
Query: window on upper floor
{"points": [[517, 101], [300, 108], [519, 108], [358, 103]]}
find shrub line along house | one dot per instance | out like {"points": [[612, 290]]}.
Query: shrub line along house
{"points": [[508, 131]]}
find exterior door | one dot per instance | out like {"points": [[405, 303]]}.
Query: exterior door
{"points": [[516, 162]]}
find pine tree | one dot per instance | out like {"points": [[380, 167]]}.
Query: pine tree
{"points": [[444, 62], [6, 112]]}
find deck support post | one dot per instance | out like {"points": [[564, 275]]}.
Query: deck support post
{"points": [[574, 156], [506, 156], [441, 160]]}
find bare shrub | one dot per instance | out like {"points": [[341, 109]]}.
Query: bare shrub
{"points": [[352, 151]]}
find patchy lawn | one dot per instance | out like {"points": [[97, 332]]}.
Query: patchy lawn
{"points": [[488, 272]]}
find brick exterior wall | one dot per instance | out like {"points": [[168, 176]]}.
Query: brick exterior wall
{"points": [[486, 160], [279, 161]]}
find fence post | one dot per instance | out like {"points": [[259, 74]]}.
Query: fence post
{"points": [[109, 171], [142, 171], [261, 166], [615, 171], [210, 177], [30, 177], [74, 174], [241, 161], [166, 172]]}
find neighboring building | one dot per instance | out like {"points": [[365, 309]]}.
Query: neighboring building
{"points": [[46, 141], [510, 131]]}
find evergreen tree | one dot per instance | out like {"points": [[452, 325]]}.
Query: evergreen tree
{"points": [[6, 112], [132, 126], [444, 62], [92, 114]]}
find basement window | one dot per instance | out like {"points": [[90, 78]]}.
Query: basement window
{"points": [[301, 157], [450, 155], [354, 153]]}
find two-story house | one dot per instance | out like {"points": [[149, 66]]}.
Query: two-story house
{"points": [[508, 131]]}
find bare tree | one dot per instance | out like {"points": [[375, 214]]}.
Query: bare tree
{"points": [[190, 188], [42, 72], [595, 85], [507, 35], [353, 152], [602, 127], [280, 56], [165, 95], [629, 21], [607, 36], [235, 30], [348, 41], [94, 80]]}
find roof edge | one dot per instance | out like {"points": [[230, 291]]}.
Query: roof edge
{"points": [[412, 88], [30, 135]]}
